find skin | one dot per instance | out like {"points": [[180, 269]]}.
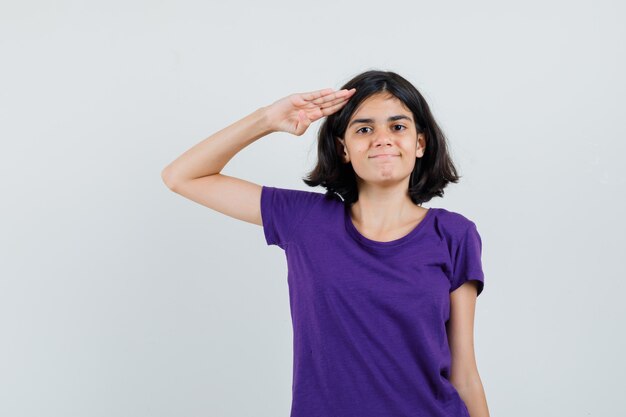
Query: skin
{"points": [[384, 210]]}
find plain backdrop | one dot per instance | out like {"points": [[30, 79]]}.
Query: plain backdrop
{"points": [[121, 298]]}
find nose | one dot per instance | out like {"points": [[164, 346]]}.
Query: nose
{"points": [[382, 138]]}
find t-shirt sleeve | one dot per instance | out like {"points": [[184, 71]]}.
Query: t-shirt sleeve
{"points": [[467, 264], [282, 210]]}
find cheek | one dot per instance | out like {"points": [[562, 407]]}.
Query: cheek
{"points": [[356, 149]]}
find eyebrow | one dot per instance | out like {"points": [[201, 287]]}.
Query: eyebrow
{"points": [[390, 119]]}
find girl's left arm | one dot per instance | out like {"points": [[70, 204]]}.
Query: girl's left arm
{"points": [[460, 328]]}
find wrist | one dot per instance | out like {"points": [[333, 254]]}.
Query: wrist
{"points": [[263, 120]]}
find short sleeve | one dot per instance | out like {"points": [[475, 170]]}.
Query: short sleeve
{"points": [[282, 210], [467, 263]]}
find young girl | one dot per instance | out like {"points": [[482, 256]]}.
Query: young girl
{"points": [[382, 290]]}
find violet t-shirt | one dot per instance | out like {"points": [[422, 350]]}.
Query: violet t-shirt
{"points": [[368, 316]]}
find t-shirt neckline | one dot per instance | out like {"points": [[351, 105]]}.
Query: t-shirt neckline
{"points": [[352, 230]]}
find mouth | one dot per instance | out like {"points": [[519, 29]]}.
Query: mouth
{"points": [[384, 156]]}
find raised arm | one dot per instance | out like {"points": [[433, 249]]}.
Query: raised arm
{"points": [[196, 173]]}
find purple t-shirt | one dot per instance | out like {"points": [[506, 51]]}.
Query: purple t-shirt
{"points": [[369, 317]]}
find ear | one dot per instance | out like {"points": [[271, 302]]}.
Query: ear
{"points": [[342, 150], [421, 145]]}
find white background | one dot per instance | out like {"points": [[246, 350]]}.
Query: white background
{"points": [[119, 297]]}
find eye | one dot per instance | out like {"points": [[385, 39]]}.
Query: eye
{"points": [[365, 127]]}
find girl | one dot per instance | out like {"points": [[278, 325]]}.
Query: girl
{"points": [[382, 290]]}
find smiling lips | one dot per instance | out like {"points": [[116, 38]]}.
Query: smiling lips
{"points": [[384, 155]]}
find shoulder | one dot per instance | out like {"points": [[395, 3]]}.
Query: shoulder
{"points": [[452, 225], [283, 210]]}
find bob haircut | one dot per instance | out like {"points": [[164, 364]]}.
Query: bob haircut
{"points": [[432, 172]]}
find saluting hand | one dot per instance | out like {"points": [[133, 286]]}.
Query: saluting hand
{"points": [[294, 113]]}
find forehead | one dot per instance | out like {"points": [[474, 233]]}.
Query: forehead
{"points": [[380, 104]]}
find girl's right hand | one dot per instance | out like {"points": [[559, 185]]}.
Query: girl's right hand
{"points": [[294, 113]]}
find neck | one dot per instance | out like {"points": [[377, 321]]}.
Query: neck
{"points": [[384, 209]]}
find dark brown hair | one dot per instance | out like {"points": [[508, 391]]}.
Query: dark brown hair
{"points": [[432, 172]]}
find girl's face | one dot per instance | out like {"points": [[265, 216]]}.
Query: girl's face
{"points": [[382, 124]]}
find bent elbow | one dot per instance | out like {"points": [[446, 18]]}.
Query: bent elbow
{"points": [[167, 178]]}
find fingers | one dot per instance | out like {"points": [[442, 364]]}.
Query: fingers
{"points": [[316, 94], [333, 105], [327, 111], [326, 101], [335, 101], [333, 97], [326, 95]]}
